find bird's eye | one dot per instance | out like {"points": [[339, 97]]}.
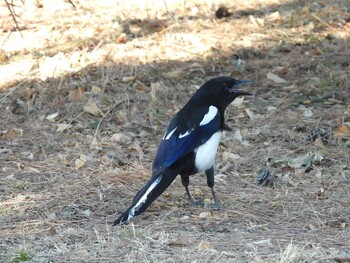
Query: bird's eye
{"points": [[226, 86]]}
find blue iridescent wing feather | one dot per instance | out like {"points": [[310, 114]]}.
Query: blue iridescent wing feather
{"points": [[174, 147]]}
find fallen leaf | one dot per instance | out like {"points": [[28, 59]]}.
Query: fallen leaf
{"points": [[238, 136], [105, 160], [175, 74], [291, 88], [63, 126], [120, 138], [80, 162], [92, 108], [271, 109], [94, 144], [87, 212], [275, 78], [96, 90], [121, 39], [51, 117], [12, 134], [319, 142], [341, 131], [307, 113], [250, 114], [257, 22], [238, 103], [318, 157], [128, 79], [76, 94], [204, 245], [304, 161], [204, 215], [138, 85], [28, 92], [312, 227], [320, 193], [273, 17], [231, 157]]}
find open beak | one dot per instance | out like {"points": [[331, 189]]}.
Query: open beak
{"points": [[238, 91]]}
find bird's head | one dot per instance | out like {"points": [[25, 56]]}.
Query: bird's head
{"points": [[224, 89]]}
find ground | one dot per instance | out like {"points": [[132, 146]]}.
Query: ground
{"points": [[87, 92]]}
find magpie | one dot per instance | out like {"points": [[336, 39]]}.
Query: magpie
{"points": [[190, 143]]}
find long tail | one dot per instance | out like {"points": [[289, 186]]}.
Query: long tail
{"points": [[144, 198]]}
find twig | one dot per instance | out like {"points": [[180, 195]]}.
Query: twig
{"points": [[166, 7], [71, 2], [323, 22], [10, 7]]}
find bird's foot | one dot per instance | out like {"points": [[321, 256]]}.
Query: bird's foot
{"points": [[217, 206], [195, 203]]}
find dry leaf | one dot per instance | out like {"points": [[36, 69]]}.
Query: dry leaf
{"points": [[12, 134], [238, 103], [320, 193], [94, 144], [92, 108], [273, 17], [304, 161], [291, 88], [138, 85], [238, 136], [96, 90], [257, 22], [275, 78], [80, 162], [231, 157], [51, 117], [104, 159], [341, 131], [307, 113], [120, 138], [204, 245], [319, 142], [204, 215], [175, 74], [63, 126], [76, 94], [129, 79], [121, 39], [28, 93], [250, 114], [87, 212], [318, 157]]}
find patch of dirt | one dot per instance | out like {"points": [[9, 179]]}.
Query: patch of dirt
{"points": [[86, 96]]}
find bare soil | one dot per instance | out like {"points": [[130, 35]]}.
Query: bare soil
{"points": [[86, 94]]}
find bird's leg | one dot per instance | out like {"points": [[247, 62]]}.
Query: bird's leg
{"points": [[210, 182], [185, 182]]}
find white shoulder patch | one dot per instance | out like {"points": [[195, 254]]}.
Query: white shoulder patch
{"points": [[167, 136], [209, 116]]}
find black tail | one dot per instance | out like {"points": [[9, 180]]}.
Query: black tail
{"points": [[144, 198]]}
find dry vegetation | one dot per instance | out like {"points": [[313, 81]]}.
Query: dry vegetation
{"points": [[86, 95]]}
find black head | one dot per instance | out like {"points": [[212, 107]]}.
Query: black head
{"points": [[224, 90]]}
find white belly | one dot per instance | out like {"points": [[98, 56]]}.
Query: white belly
{"points": [[205, 154]]}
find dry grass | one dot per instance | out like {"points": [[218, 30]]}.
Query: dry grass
{"points": [[86, 98]]}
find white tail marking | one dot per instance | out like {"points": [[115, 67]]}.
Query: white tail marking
{"points": [[143, 198]]}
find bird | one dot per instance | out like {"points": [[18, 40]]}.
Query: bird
{"points": [[190, 144]]}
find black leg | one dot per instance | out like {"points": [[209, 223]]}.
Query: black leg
{"points": [[210, 182], [185, 182]]}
